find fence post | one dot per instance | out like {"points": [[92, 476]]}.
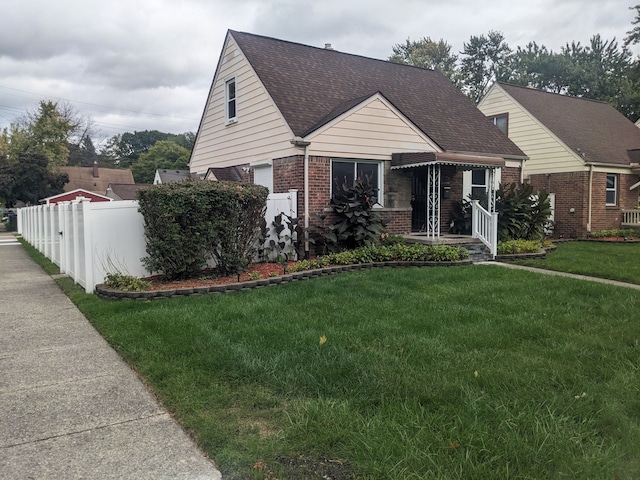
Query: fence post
{"points": [[87, 220], [474, 218], [494, 234]]}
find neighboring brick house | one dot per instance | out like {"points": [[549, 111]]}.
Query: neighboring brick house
{"points": [[291, 116], [583, 151]]}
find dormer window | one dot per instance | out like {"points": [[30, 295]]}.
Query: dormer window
{"points": [[502, 122], [230, 102]]}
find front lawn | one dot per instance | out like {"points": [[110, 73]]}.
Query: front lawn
{"points": [[615, 261], [449, 373]]}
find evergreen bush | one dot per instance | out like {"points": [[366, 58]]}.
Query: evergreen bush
{"points": [[188, 223]]}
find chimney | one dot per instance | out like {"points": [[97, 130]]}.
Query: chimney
{"points": [[327, 46], [95, 170]]}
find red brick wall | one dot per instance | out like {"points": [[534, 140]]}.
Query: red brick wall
{"points": [[288, 173], [510, 175], [572, 192]]}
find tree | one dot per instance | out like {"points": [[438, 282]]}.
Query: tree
{"points": [[28, 179], [46, 131], [164, 154], [83, 154], [125, 149], [486, 59], [426, 53], [538, 67], [633, 35]]}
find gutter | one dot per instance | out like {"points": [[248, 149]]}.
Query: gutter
{"points": [[300, 142], [590, 197]]}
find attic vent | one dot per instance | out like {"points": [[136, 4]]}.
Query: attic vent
{"points": [[327, 46]]}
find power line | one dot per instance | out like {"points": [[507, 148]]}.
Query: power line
{"points": [[108, 109]]}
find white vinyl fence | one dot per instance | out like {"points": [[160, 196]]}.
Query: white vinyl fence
{"points": [[88, 240]]}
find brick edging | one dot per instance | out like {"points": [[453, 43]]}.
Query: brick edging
{"points": [[113, 294]]}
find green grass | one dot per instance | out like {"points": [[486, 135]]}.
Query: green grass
{"points": [[47, 265], [615, 261], [450, 373]]}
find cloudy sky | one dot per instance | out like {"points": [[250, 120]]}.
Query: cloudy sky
{"points": [[148, 64]]}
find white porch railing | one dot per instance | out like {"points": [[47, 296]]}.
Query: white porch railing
{"points": [[484, 226], [631, 217]]}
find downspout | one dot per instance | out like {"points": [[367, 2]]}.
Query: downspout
{"points": [[300, 142], [306, 201], [590, 198]]}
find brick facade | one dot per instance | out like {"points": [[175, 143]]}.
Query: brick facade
{"points": [[571, 191], [288, 173]]}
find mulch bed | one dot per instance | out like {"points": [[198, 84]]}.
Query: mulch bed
{"points": [[209, 277]]}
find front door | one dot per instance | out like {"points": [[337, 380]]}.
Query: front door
{"points": [[419, 199]]}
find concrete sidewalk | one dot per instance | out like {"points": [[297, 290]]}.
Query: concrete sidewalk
{"points": [[71, 408]]}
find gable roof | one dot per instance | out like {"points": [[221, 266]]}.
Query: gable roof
{"points": [[76, 194], [167, 176], [95, 179], [225, 174], [125, 191], [593, 129], [312, 86]]}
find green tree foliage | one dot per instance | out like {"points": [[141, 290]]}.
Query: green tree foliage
{"points": [[46, 131], [124, 150], [189, 223], [163, 154], [83, 154], [540, 68], [602, 70], [28, 179], [485, 59], [426, 53]]}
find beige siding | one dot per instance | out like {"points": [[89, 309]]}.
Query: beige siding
{"points": [[373, 130], [260, 132], [547, 154]]}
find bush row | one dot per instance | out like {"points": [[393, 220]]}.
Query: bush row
{"points": [[386, 253]]}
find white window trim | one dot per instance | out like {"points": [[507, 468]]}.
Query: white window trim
{"points": [[614, 190], [467, 176], [227, 119], [380, 165]]}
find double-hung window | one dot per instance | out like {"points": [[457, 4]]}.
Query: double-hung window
{"points": [[231, 114], [612, 189], [479, 184], [347, 172]]}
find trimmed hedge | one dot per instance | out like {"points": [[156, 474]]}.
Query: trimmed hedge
{"points": [[187, 224]]}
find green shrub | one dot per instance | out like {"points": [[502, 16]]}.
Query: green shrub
{"points": [[521, 213], [358, 223], [618, 232], [128, 283], [188, 223], [510, 247]]}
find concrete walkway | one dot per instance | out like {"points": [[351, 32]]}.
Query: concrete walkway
{"points": [[563, 274], [71, 408]]}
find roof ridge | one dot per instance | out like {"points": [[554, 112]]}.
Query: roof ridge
{"points": [[332, 50], [563, 95]]}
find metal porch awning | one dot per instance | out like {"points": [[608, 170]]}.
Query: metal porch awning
{"points": [[423, 159], [433, 162]]}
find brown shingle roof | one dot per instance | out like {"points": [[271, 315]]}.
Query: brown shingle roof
{"points": [[313, 85], [83, 177], [225, 174], [599, 131], [125, 191]]}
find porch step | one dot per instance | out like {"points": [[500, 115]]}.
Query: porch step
{"points": [[478, 252]]}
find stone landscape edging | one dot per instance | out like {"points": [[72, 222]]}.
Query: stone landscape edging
{"points": [[112, 294]]}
